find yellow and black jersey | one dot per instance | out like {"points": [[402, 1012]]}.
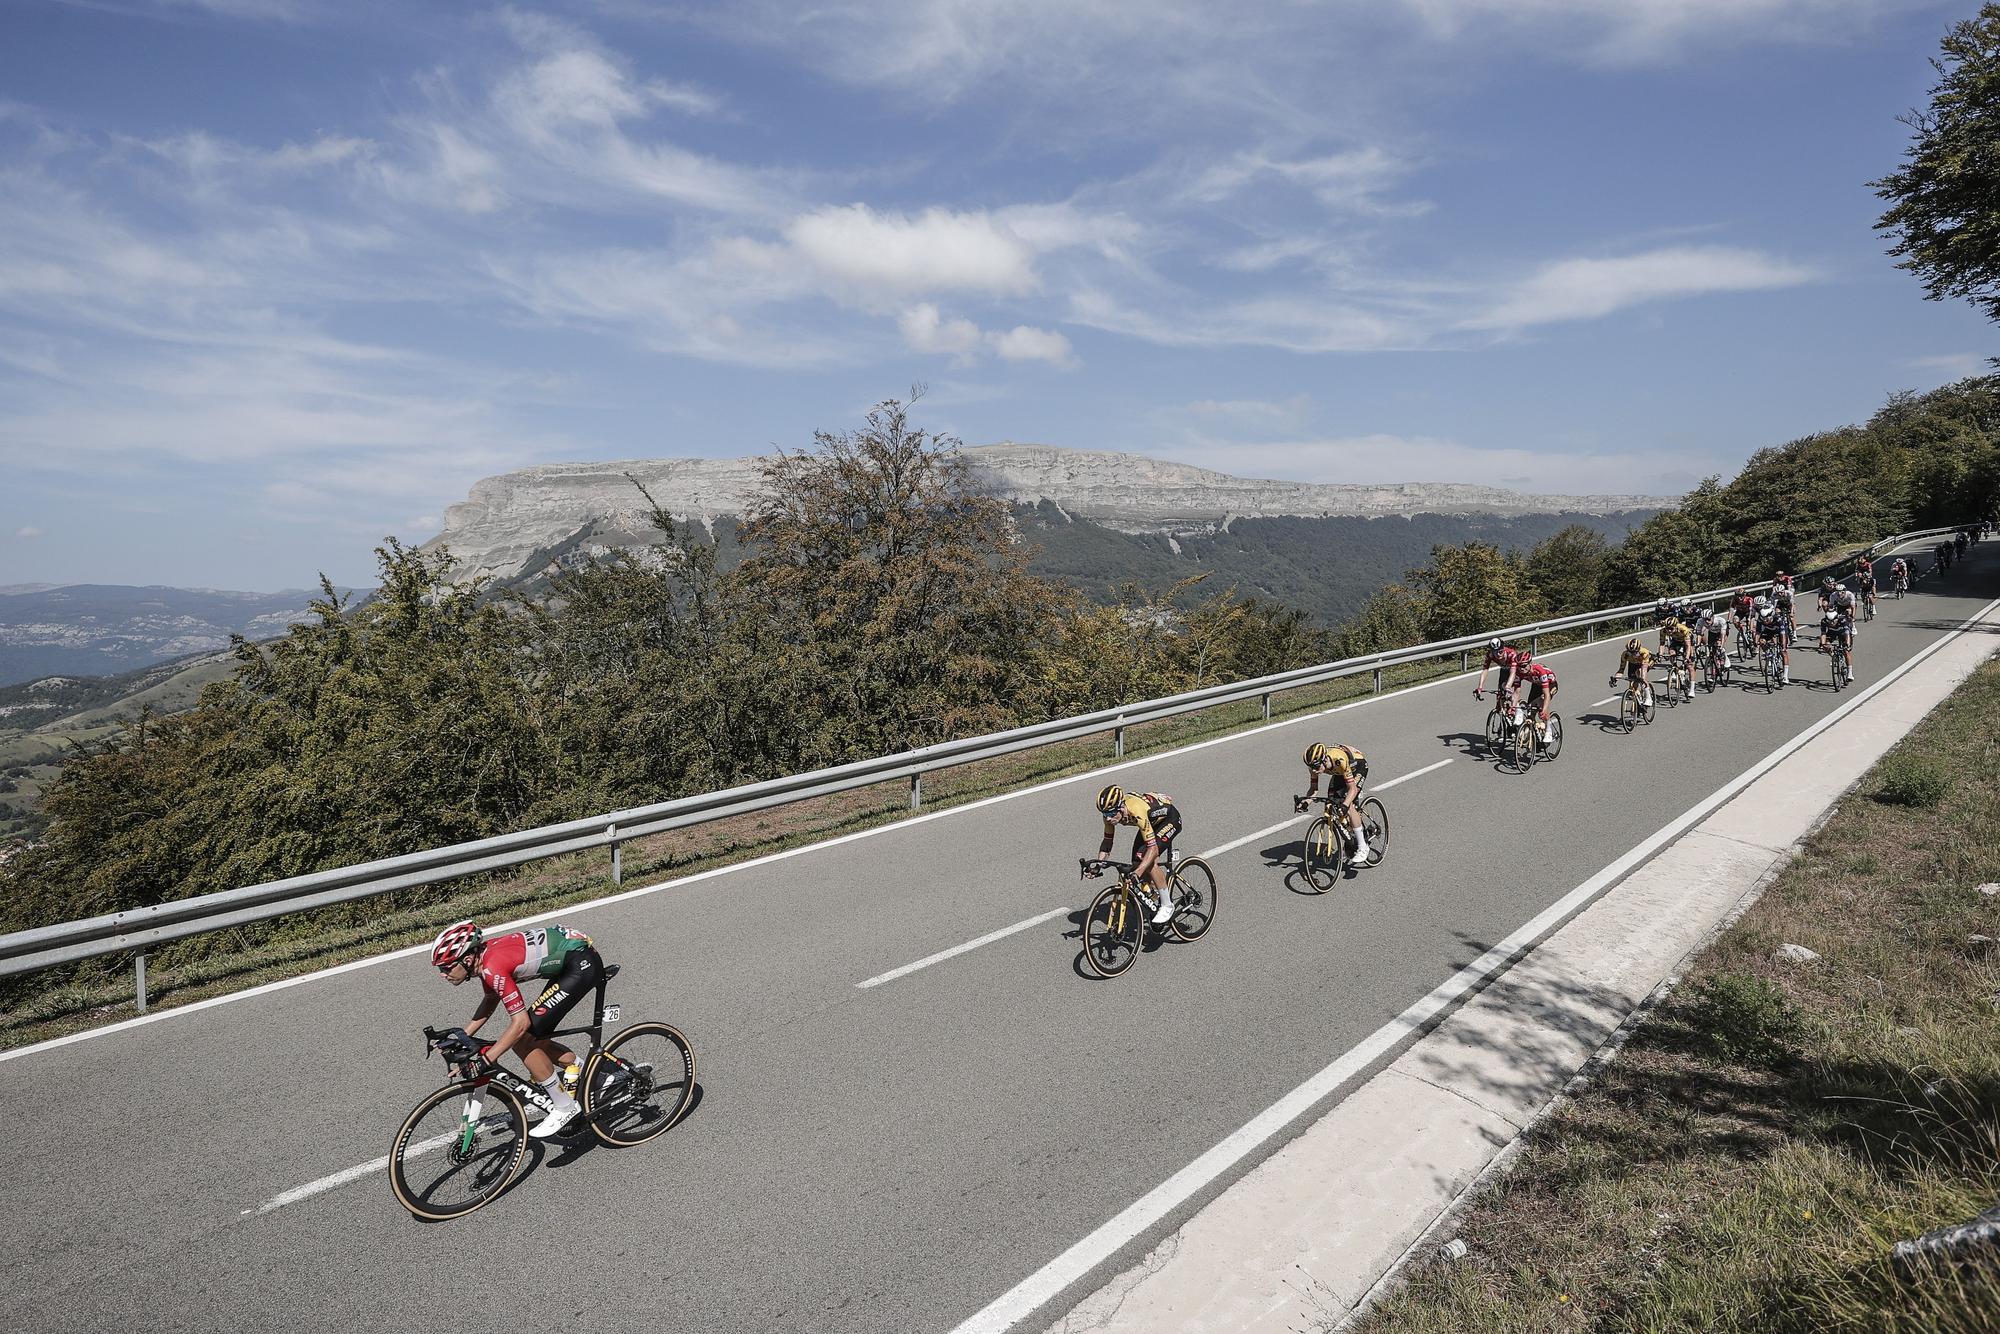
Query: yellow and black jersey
{"points": [[1343, 763], [1674, 635], [1153, 812], [1635, 659]]}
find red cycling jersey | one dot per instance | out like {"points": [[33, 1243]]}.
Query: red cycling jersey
{"points": [[1507, 659], [1540, 674], [522, 955]]}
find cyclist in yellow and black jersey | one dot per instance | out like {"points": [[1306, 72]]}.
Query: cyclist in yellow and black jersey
{"points": [[1632, 665], [1344, 767], [1157, 820], [1677, 649]]}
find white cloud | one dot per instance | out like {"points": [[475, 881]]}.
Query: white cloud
{"points": [[925, 330], [935, 251], [1022, 343], [1957, 365], [28, 534], [1290, 412], [1585, 289]]}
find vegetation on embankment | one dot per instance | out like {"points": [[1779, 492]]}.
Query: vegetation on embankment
{"points": [[1766, 1135]]}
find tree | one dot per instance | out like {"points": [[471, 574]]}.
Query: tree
{"points": [[1470, 588], [1566, 568], [1945, 198]]}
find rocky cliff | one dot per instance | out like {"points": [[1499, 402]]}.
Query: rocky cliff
{"points": [[516, 524]]}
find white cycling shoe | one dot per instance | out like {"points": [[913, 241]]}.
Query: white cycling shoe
{"points": [[556, 1120], [1166, 912]]}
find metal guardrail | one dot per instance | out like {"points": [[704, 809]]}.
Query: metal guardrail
{"points": [[157, 924]]}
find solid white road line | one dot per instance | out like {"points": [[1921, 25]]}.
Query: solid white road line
{"points": [[1045, 1283], [942, 955], [1601, 703]]}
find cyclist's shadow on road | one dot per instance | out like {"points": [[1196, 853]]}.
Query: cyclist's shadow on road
{"points": [[1473, 746], [1149, 943], [1290, 857]]}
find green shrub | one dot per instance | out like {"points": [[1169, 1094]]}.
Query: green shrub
{"points": [[1739, 1016], [1908, 780]]}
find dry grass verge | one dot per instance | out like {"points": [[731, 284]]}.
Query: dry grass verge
{"points": [[1749, 1159]]}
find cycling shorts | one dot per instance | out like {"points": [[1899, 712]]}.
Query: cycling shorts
{"points": [[582, 970], [1166, 824]]}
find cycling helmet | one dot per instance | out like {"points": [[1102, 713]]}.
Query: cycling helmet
{"points": [[1659, 604], [1110, 798], [1316, 754], [1493, 644], [1527, 656], [1763, 603], [455, 942], [1632, 644], [1826, 581]]}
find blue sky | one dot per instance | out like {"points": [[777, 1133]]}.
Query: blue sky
{"points": [[281, 277]]}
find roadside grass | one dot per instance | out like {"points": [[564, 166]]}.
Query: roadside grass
{"points": [[1772, 1129], [101, 991]]}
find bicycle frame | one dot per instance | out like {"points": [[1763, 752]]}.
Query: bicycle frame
{"points": [[489, 1072]]}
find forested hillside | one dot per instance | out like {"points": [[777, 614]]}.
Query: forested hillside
{"points": [[880, 603]]}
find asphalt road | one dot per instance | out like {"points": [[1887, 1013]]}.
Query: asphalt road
{"points": [[867, 1159]]}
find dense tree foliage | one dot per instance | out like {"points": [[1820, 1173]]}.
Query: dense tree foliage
{"points": [[1943, 210]]}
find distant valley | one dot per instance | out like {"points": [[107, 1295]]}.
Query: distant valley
{"points": [[106, 629]]}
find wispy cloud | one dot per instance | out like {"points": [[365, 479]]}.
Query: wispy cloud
{"points": [[1586, 289]]}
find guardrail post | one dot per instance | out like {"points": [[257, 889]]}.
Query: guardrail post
{"points": [[1267, 706], [916, 791], [1118, 743], [139, 972], [617, 856], [1534, 643], [1378, 680], [1590, 634], [1465, 661]]}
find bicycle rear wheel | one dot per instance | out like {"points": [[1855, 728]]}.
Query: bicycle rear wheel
{"points": [[1554, 745], [1114, 929], [639, 1084], [1523, 753], [1193, 886], [1375, 820], [459, 1149], [1323, 855]]}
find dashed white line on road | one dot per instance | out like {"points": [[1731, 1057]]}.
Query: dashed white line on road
{"points": [[942, 955], [1602, 702]]}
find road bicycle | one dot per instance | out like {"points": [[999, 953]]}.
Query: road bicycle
{"points": [[1868, 605], [1330, 843], [464, 1144], [1837, 671], [1526, 746], [1634, 706], [1771, 665], [1114, 926], [1899, 585], [1500, 723], [1675, 688], [1710, 667]]}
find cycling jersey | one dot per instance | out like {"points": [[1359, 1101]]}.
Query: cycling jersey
{"points": [[522, 955], [1343, 763], [1674, 635], [1715, 630], [1844, 599], [1540, 677], [1634, 662], [1836, 628], [1770, 626], [1744, 606], [1155, 814]]}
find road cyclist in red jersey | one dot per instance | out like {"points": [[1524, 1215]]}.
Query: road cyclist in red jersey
{"points": [[1743, 612], [1540, 679], [571, 966], [1508, 659]]}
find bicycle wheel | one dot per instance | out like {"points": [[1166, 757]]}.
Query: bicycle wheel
{"points": [[1375, 820], [1628, 710], [1323, 855], [1193, 886], [1554, 745], [1114, 928], [457, 1150], [640, 1083], [1523, 747], [1496, 731]]}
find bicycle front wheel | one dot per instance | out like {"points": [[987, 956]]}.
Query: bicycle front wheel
{"points": [[1628, 711], [1375, 820], [1114, 930], [1322, 860], [1523, 746], [459, 1149], [639, 1084], [1554, 745], [1496, 731], [1193, 887]]}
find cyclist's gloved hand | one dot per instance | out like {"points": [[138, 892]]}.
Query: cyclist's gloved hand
{"points": [[1477, 693], [1298, 805]]}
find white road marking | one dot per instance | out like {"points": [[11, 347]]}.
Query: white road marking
{"points": [[359, 1170], [1006, 931], [1602, 702], [942, 955], [1028, 1296]]}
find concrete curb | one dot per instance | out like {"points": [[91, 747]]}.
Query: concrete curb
{"points": [[1307, 1239]]}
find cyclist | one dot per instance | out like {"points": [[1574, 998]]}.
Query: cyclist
{"points": [[1826, 591], [1771, 635], [1845, 602], [1836, 635], [1782, 594], [1864, 575], [1942, 555], [1899, 575], [561, 954], [1742, 608], [1713, 631], [1508, 659], [1541, 682], [1344, 767], [1677, 649], [1633, 663], [1157, 820]]}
